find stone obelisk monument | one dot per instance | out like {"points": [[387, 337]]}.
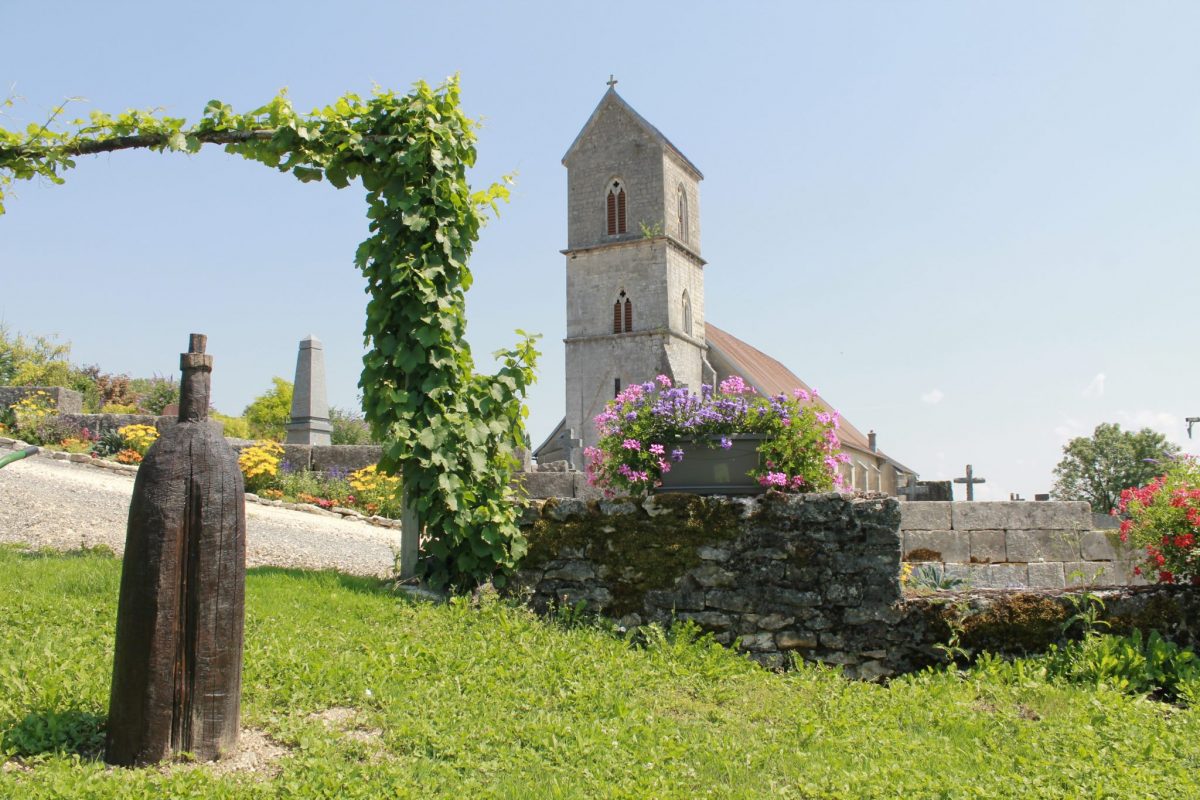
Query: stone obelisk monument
{"points": [[310, 410], [177, 674]]}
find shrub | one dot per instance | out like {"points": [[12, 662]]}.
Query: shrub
{"points": [[138, 437], [375, 492], [232, 427], [260, 464], [268, 413], [349, 427], [307, 486], [118, 408], [155, 394], [31, 416], [641, 428], [33, 362], [1163, 519]]}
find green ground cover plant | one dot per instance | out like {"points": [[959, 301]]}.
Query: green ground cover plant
{"points": [[374, 695]]}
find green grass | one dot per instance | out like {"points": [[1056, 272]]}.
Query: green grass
{"points": [[490, 701]]}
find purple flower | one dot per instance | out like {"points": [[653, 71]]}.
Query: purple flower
{"points": [[726, 443], [677, 455]]}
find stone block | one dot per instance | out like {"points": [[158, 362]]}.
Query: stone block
{"points": [[547, 484], [1042, 545], [725, 600], [795, 640], [1098, 546], [345, 457], [959, 572], [921, 516], [947, 544], [987, 547], [756, 642], [1047, 575], [66, 401], [1009, 576], [1097, 573], [969, 516]]}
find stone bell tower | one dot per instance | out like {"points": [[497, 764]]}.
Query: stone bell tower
{"points": [[635, 278]]}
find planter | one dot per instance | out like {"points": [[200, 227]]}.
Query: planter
{"points": [[708, 469]]}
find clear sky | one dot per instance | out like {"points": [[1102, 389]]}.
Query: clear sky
{"points": [[972, 226]]}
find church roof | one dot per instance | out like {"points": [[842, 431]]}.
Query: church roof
{"points": [[771, 377], [612, 98]]}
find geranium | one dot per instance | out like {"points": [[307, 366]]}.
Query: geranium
{"points": [[1162, 518], [641, 431]]}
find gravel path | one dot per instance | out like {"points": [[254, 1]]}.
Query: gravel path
{"points": [[57, 504]]}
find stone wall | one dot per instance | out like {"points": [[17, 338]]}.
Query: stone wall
{"points": [[1010, 545], [815, 575], [67, 401]]}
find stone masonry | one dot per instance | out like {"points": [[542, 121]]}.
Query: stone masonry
{"points": [[1037, 545], [810, 575]]}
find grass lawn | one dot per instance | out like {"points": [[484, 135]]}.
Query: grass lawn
{"points": [[462, 701]]}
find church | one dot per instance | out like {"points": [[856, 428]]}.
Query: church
{"points": [[635, 290]]}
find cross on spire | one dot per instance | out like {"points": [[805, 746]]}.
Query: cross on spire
{"points": [[612, 82], [970, 481]]}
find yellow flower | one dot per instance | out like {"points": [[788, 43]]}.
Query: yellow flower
{"points": [[138, 437]]}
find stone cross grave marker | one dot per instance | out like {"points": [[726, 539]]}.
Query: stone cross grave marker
{"points": [[970, 480], [177, 669]]}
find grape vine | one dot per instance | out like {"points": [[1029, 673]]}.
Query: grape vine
{"points": [[450, 432]]}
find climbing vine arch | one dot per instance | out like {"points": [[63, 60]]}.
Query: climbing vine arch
{"points": [[450, 432]]}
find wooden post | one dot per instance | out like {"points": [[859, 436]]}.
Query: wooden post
{"points": [[410, 538], [177, 670]]}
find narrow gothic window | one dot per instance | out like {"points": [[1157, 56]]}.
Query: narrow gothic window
{"points": [[615, 208], [683, 214], [616, 386], [622, 314], [687, 313]]}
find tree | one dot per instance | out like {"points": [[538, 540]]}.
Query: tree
{"points": [[268, 414], [1097, 468]]}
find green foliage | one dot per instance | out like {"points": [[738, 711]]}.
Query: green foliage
{"points": [[156, 393], [268, 413], [349, 427], [32, 362], [450, 432], [232, 427], [1098, 467], [483, 699]]}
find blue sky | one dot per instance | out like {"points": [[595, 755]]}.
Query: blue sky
{"points": [[972, 226]]}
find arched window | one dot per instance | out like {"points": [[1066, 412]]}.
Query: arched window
{"points": [[682, 202], [687, 313], [622, 314], [615, 208]]}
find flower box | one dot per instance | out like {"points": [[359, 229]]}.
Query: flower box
{"points": [[707, 468]]}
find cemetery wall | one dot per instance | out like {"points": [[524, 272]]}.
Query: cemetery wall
{"points": [[1011, 545], [815, 575]]}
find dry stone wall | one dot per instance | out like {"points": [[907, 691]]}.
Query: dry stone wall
{"points": [[1015, 545], [813, 575]]}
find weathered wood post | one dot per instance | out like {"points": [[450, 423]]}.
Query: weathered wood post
{"points": [[177, 672]]}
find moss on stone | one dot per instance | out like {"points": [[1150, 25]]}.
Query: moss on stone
{"points": [[1162, 613], [1015, 623], [923, 554], [637, 552]]}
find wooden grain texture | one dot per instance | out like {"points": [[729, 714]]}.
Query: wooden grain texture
{"points": [[178, 661]]}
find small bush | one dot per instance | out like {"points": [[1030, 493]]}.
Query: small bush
{"points": [[232, 427], [348, 427], [375, 492], [270, 411], [138, 437], [260, 464], [1162, 518], [32, 416]]}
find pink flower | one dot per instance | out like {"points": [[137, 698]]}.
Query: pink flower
{"points": [[664, 381], [733, 385], [800, 394], [631, 444], [657, 449]]}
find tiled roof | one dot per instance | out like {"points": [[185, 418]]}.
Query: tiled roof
{"points": [[771, 377]]}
